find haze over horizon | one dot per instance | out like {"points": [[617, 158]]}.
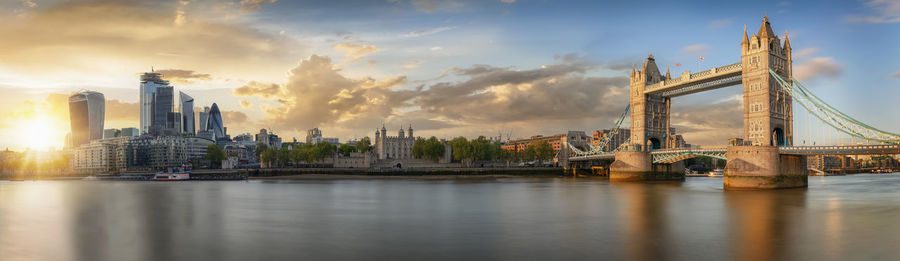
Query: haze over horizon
{"points": [[448, 67]]}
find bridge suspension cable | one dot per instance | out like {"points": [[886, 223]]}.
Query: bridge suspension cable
{"points": [[832, 116], [600, 148]]}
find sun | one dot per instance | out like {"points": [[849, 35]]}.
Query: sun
{"points": [[38, 133]]}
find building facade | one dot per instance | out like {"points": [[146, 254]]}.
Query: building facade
{"points": [[214, 122], [86, 116], [150, 83], [188, 125], [558, 141], [394, 147]]}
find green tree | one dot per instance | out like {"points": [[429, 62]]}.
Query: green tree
{"points": [[539, 150], [215, 154], [284, 155], [346, 149], [461, 150], [364, 145], [260, 147], [268, 156], [430, 148]]}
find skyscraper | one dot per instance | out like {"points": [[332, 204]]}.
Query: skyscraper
{"points": [[204, 118], [86, 115], [163, 102], [150, 82], [214, 122], [187, 113]]}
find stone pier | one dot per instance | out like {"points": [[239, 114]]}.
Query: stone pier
{"points": [[763, 167], [638, 166]]}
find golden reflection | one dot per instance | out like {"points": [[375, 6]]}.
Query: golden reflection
{"points": [[645, 215], [760, 222]]}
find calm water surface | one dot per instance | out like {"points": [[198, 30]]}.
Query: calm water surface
{"points": [[836, 218]]}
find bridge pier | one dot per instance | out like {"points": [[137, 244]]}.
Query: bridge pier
{"points": [[763, 167], [637, 165]]}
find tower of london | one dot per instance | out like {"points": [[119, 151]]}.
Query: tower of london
{"points": [[394, 147]]}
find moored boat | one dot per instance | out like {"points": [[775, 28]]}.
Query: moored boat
{"points": [[716, 173], [179, 175]]}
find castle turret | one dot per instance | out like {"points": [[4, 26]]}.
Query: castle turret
{"points": [[745, 44], [400, 133], [411, 131]]}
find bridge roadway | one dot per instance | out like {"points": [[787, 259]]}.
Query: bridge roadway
{"points": [[675, 155]]}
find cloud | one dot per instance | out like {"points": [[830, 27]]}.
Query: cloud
{"points": [[696, 49], [719, 23], [817, 67], [265, 90], [427, 31], [709, 123], [183, 76], [234, 118], [117, 110], [896, 74], [412, 64], [508, 1], [317, 94], [883, 11], [29, 3], [803, 53], [354, 50], [245, 104], [254, 5], [68, 40], [435, 48], [430, 6]]}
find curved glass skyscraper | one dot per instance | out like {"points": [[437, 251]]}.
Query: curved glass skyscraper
{"points": [[86, 114], [214, 122], [187, 113]]}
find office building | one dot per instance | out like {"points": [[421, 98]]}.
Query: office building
{"points": [[163, 102], [130, 132], [86, 116], [150, 84], [214, 123], [187, 114], [203, 117]]}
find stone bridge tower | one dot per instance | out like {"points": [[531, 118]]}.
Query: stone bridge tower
{"points": [[768, 118], [649, 113]]}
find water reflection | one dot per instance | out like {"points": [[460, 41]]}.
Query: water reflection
{"points": [[837, 218]]}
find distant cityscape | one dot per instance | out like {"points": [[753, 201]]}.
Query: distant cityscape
{"points": [[172, 135]]}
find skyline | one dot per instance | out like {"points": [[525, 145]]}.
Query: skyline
{"points": [[462, 68]]}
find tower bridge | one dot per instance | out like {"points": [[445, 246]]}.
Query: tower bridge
{"points": [[765, 158]]}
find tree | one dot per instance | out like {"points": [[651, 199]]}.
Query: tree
{"points": [[346, 149], [539, 150], [215, 154], [268, 156], [284, 155], [461, 151], [260, 147], [364, 145], [430, 148]]}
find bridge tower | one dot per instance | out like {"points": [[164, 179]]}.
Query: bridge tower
{"points": [[649, 112], [768, 117], [768, 121]]}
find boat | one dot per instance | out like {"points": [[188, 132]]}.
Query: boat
{"points": [[716, 173], [170, 175]]}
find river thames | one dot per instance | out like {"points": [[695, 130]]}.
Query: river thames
{"points": [[836, 218]]}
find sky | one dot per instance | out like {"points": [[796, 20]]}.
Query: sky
{"points": [[511, 68]]}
